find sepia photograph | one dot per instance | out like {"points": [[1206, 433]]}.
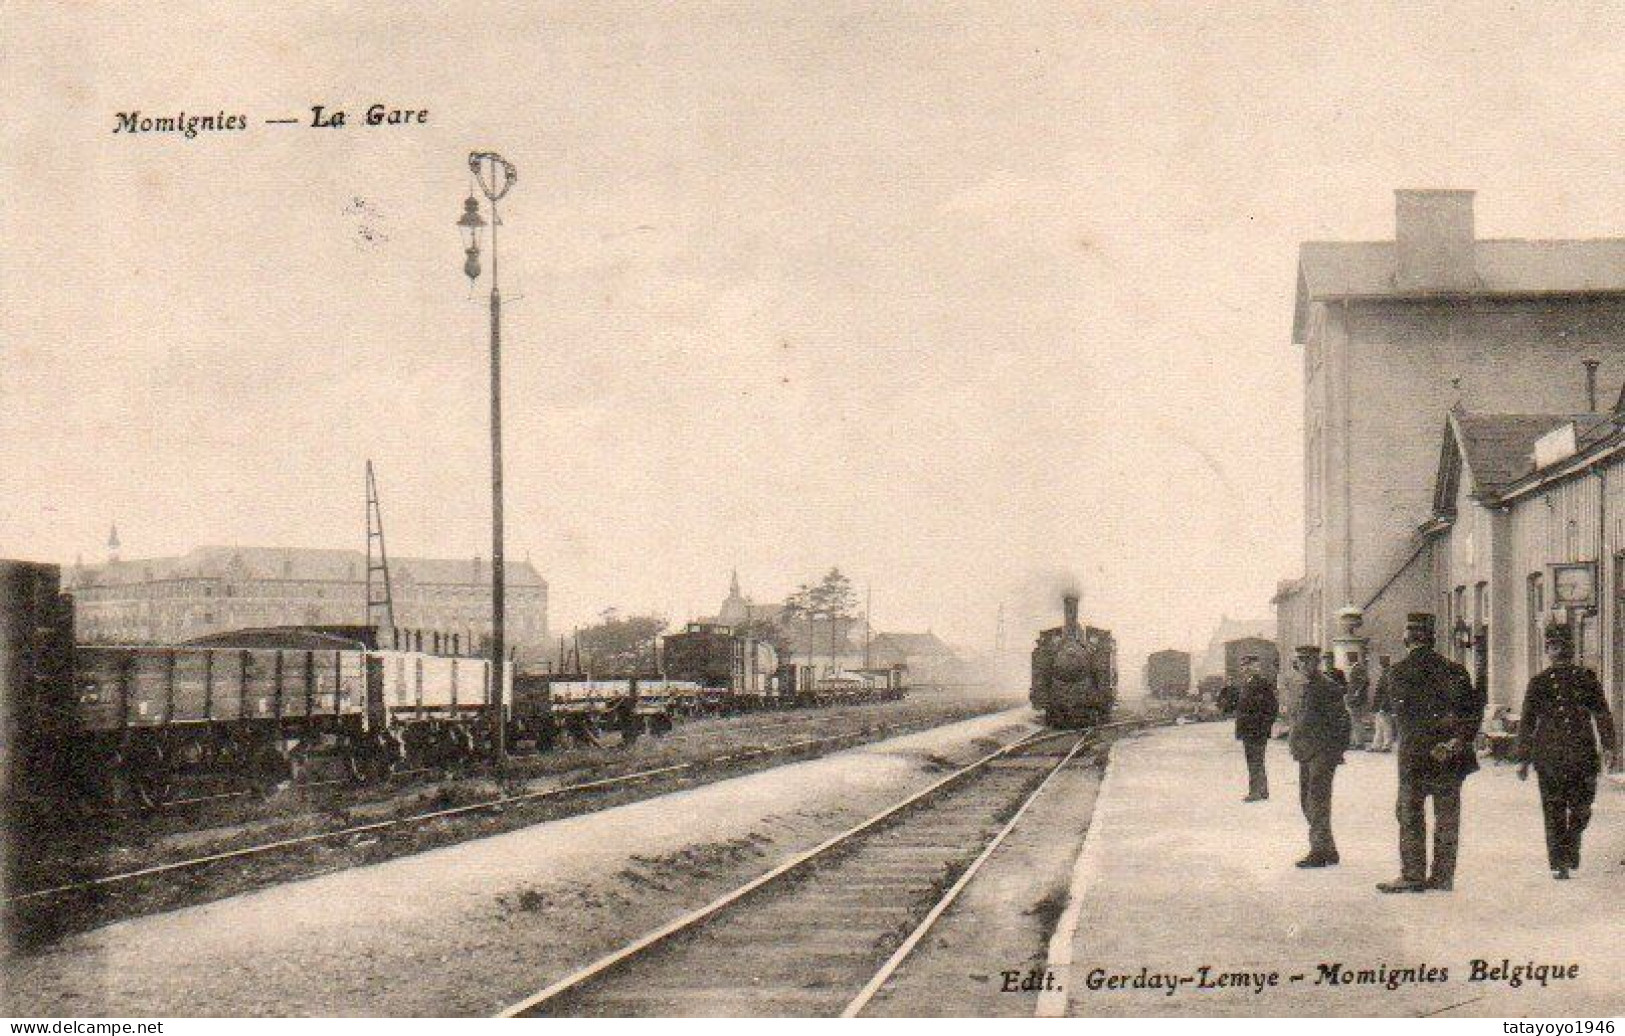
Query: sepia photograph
{"points": [[946, 509]]}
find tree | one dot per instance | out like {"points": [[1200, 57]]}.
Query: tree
{"points": [[622, 646], [798, 607], [833, 601]]}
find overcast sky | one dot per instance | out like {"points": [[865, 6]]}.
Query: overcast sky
{"points": [[960, 298]]}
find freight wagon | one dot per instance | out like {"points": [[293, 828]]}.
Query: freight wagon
{"points": [[262, 703], [1168, 674]]}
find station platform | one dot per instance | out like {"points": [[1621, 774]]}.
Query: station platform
{"points": [[1178, 874]]}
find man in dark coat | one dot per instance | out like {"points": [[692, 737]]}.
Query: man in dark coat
{"points": [[1437, 711], [1255, 717], [1329, 668], [1564, 714], [1320, 734], [1358, 696]]}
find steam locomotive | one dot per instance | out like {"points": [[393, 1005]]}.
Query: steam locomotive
{"points": [[1074, 672]]}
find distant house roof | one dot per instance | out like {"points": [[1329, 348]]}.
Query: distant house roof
{"points": [[1367, 269], [910, 644], [296, 563], [1497, 450]]}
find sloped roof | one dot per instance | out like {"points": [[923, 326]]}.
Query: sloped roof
{"points": [[911, 643], [1508, 267], [1498, 449]]}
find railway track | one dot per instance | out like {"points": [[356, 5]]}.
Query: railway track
{"points": [[822, 933], [689, 770]]}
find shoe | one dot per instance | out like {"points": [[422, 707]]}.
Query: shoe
{"points": [[1561, 874], [1317, 861], [1441, 885], [1255, 798], [1402, 885]]}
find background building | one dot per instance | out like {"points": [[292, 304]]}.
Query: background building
{"points": [[213, 589], [1395, 334]]}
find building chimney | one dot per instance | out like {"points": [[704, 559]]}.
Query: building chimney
{"points": [[1070, 603], [1433, 238], [477, 578], [1591, 385]]}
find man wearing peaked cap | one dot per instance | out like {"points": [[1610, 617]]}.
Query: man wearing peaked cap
{"points": [[1564, 715], [1437, 712], [1320, 734], [1256, 706]]}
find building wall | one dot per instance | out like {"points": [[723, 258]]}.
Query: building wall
{"points": [[1388, 373], [166, 611], [1577, 519]]}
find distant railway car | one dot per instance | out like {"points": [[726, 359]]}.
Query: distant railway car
{"points": [[1235, 650], [738, 670], [1074, 672], [1168, 674]]}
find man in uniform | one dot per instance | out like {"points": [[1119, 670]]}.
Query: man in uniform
{"points": [[1358, 696], [1334, 674], [1382, 713], [1556, 735], [1437, 711], [1320, 735], [1255, 717]]}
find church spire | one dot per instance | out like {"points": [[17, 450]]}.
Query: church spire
{"points": [[112, 543], [733, 584]]}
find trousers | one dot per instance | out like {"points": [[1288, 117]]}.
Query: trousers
{"points": [[1258, 778], [1382, 738], [1565, 802], [1315, 796], [1413, 827]]}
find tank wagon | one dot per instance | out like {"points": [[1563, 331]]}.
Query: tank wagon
{"points": [[1074, 672], [1168, 674]]}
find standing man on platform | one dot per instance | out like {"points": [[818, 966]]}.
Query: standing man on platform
{"points": [[1255, 718], [1382, 711], [1320, 736], [1358, 696], [1438, 712], [1564, 714]]}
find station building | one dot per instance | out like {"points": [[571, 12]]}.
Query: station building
{"points": [[1528, 530], [1395, 336]]}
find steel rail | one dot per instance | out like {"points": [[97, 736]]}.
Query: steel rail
{"points": [[902, 953], [695, 917], [419, 818]]}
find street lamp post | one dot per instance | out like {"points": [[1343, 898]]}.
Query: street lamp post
{"points": [[495, 176]]}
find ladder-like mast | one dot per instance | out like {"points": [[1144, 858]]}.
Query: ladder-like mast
{"points": [[380, 596]]}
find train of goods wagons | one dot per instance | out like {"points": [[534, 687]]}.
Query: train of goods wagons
{"points": [[1168, 674], [260, 705], [1074, 672]]}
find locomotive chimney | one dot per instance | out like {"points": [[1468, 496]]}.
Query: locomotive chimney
{"points": [[1070, 603]]}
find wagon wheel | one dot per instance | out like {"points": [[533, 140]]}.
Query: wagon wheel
{"points": [[148, 775], [272, 768], [371, 758]]}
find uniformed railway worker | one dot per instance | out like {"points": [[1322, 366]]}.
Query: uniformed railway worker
{"points": [[1255, 718], [1564, 713], [1437, 711], [1320, 735]]}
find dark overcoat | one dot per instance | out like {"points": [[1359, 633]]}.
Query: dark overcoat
{"points": [[1255, 709], [1433, 701], [1556, 731], [1321, 729]]}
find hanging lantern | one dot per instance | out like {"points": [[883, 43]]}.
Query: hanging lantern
{"points": [[471, 223]]}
